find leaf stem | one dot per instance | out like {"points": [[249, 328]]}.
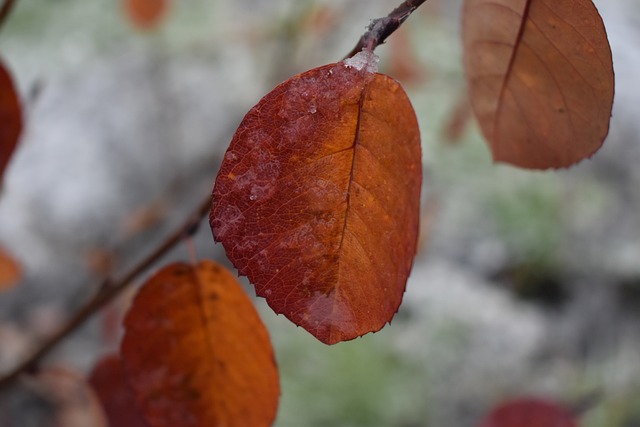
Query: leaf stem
{"points": [[381, 28], [108, 291]]}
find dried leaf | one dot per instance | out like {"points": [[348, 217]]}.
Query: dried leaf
{"points": [[317, 199], [540, 76], [118, 401], [10, 271], [529, 412], [196, 353], [10, 118], [146, 14]]}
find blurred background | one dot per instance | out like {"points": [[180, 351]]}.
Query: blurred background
{"points": [[526, 283]]}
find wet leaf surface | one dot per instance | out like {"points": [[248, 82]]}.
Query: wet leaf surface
{"points": [[317, 199]]}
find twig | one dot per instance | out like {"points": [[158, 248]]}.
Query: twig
{"points": [[381, 28], [108, 291], [6, 8]]}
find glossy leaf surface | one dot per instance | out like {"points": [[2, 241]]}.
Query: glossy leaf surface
{"points": [[540, 77], [10, 118], [317, 199], [118, 402], [196, 353], [529, 412], [146, 14]]}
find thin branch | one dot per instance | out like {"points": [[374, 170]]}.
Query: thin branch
{"points": [[381, 28], [108, 291], [6, 8]]}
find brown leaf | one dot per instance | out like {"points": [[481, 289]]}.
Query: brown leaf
{"points": [[10, 118], [540, 76], [317, 200], [10, 271], [118, 401], [146, 14], [196, 353]]}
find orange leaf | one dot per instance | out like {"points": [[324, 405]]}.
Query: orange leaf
{"points": [[146, 14], [529, 412], [317, 199], [10, 118], [540, 76], [108, 381], [10, 271], [196, 353]]}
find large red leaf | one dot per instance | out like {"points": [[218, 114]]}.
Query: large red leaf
{"points": [[10, 118], [196, 353], [540, 76], [108, 381], [529, 412], [317, 199]]}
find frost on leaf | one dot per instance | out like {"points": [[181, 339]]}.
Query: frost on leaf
{"points": [[317, 199], [363, 60]]}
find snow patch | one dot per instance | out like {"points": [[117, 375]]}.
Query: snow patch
{"points": [[365, 59]]}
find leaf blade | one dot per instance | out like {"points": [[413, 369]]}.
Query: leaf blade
{"points": [[317, 200], [196, 353], [540, 76]]}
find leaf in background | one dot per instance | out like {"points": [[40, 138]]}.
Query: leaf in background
{"points": [[10, 271], [146, 14], [75, 403], [10, 118], [529, 412], [540, 76], [318, 197], [196, 353], [118, 401], [458, 119]]}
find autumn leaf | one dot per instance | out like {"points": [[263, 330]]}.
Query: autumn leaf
{"points": [[10, 270], [108, 381], [540, 76], [10, 118], [196, 353], [146, 14], [529, 412], [317, 199]]}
